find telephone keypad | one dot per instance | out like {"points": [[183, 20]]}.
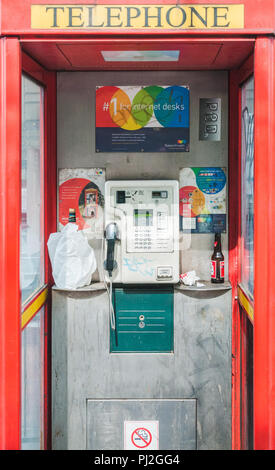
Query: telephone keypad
{"points": [[144, 240]]}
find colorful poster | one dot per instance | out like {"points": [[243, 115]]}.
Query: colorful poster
{"points": [[82, 189], [142, 119], [203, 200]]}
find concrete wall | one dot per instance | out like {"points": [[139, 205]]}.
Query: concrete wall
{"points": [[76, 140]]}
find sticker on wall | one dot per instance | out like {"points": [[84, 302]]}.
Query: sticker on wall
{"points": [[142, 119], [210, 119], [202, 200], [141, 435], [82, 189]]}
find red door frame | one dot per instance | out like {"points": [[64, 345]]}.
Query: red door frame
{"points": [[48, 81], [13, 62], [264, 252], [10, 209], [243, 312], [264, 245], [236, 79]]}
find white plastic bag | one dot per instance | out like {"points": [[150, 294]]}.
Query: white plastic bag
{"points": [[72, 258]]}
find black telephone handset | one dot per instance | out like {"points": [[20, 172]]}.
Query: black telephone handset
{"points": [[111, 235]]}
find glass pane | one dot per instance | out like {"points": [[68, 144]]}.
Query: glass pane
{"points": [[247, 223], [32, 383], [32, 211]]}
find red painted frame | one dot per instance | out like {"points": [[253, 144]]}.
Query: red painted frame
{"points": [[13, 62], [237, 77], [13, 22], [10, 210], [264, 229], [48, 81], [233, 202], [245, 74], [264, 245]]}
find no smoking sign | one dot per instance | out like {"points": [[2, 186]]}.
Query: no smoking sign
{"points": [[141, 438], [140, 435]]}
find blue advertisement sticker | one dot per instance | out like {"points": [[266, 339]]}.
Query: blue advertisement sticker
{"points": [[211, 180]]}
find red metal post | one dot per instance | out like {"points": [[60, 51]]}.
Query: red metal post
{"points": [[48, 80], [50, 166], [233, 251], [10, 214], [236, 78], [50, 226], [264, 230]]}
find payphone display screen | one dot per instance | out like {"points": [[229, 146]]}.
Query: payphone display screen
{"points": [[143, 218]]}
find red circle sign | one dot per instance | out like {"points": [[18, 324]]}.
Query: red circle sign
{"points": [[141, 438]]}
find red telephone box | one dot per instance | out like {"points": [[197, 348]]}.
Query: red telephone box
{"points": [[37, 42]]}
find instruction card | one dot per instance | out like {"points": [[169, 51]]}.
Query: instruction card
{"points": [[203, 200], [82, 189], [142, 119]]}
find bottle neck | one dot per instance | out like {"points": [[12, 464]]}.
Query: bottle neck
{"points": [[217, 243]]}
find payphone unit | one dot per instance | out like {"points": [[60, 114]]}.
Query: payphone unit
{"points": [[143, 220]]}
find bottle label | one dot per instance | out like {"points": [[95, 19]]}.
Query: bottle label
{"points": [[222, 269], [213, 269]]}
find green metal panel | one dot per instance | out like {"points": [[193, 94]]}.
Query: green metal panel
{"points": [[144, 319]]}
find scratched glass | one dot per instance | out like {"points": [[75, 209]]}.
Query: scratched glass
{"points": [[32, 263], [247, 198], [32, 193], [32, 366]]}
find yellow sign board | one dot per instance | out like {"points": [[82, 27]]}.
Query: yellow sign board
{"points": [[137, 17]]}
